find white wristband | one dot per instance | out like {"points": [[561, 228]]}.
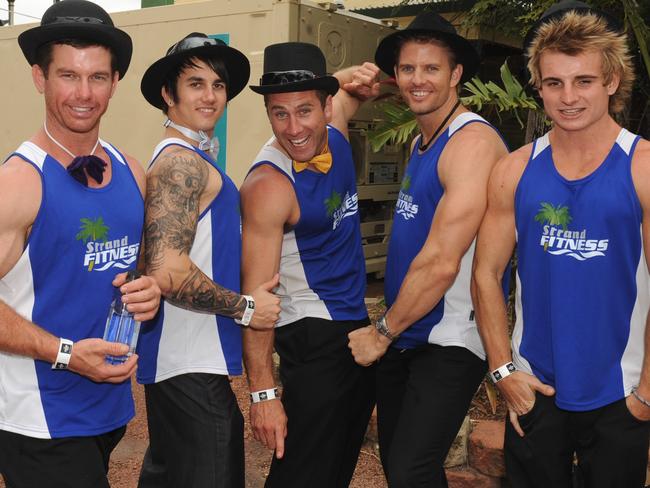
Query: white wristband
{"points": [[502, 371], [264, 395], [63, 356], [248, 311]]}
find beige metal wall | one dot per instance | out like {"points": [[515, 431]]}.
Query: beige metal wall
{"points": [[134, 126]]}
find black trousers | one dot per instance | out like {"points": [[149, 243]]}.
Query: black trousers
{"points": [[196, 434], [610, 444], [328, 400], [69, 462], [423, 395]]}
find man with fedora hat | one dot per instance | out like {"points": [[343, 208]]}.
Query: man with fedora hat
{"points": [[300, 216], [432, 360], [576, 202], [70, 224], [192, 230]]}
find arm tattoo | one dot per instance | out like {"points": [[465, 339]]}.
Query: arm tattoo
{"points": [[174, 189], [199, 293]]}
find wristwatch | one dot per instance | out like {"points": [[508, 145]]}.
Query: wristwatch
{"points": [[382, 327]]}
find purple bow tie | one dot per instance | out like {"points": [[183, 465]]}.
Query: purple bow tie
{"points": [[94, 165]]}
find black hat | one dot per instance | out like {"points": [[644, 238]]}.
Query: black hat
{"points": [[78, 19], [294, 67], [431, 23], [557, 10], [195, 44]]}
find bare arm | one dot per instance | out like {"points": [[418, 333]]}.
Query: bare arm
{"points": [[176, 186], [496, 241], [19, 336], [358, 84], [641, 177], [268, 204]]}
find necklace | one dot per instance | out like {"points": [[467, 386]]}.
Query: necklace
{"points": [[80, 165], [210, 145], [424, 147]]}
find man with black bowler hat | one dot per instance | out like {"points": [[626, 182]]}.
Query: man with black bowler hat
{"points": [[193, 235], [71, 221], [300, 216], [431, 360]]}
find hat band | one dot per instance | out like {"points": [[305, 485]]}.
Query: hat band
{"points": [[283, 77], [75, 20], [194, 42]]}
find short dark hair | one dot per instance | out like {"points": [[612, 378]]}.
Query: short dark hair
{"points": [[422, 38], [320, 94], [215, 64], [43, 56]]}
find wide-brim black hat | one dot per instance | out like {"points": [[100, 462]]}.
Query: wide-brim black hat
{"points": [[78, 19], [557, 10], [192, 45], [295, 67], [429, 23]]}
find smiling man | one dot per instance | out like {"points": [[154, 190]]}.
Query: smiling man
{"points": [[65, 194], [430, 356], [577, 203], [300, 216], [193, 236]]}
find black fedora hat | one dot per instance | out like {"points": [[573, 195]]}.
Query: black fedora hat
{"points": [[557, 10], [195, 44], [293, 67], [428, 22], [78, 19]]}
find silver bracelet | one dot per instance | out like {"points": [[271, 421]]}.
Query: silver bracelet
{"points": [[248, 312], [382, 327], [502, 372], [639, 397]]}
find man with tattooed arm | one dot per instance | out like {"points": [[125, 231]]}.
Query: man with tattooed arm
{"points": [[193, 249]]}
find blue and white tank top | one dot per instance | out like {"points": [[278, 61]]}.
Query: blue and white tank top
{"points": [[582, 279], [81, 238], [322, 267], [180, 341], [451, 322]]}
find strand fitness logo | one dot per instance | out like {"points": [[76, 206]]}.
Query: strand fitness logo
{"points": [[405, 206], [102, 253], [558, 240], [339, 208]]}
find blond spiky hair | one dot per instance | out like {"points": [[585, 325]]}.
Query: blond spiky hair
{"points": [[575, 33]]}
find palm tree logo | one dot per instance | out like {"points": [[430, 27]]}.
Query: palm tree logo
{"points": [[406, 183], [94, 230], [332, 203], [552, 215]]}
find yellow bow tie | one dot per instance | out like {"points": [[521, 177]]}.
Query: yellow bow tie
{"points": [[322, 162]]}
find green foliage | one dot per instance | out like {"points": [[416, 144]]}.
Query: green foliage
{"points": [[552, 215], [397, 127], [95, 230]]}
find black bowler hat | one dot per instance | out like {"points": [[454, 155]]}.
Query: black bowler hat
{"points": [[195, 44], [78, 19], [430, 23], [557, 10], [294, 67]]}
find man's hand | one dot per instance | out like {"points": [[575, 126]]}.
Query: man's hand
{"points": [[269, 424], [519, 390], [142, 296], [89, 359], [365, 82], [267, 305], [637, 409], [367, 345]]}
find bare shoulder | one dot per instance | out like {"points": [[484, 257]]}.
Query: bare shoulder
{"points": [[137, 170], [641, 172], [267, 191], [21, 190], [477, 138], [509, 168]]}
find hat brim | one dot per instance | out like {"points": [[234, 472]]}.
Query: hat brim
{"points": [[465, 52], [117, 40], [236, 64], [329, 84]]}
